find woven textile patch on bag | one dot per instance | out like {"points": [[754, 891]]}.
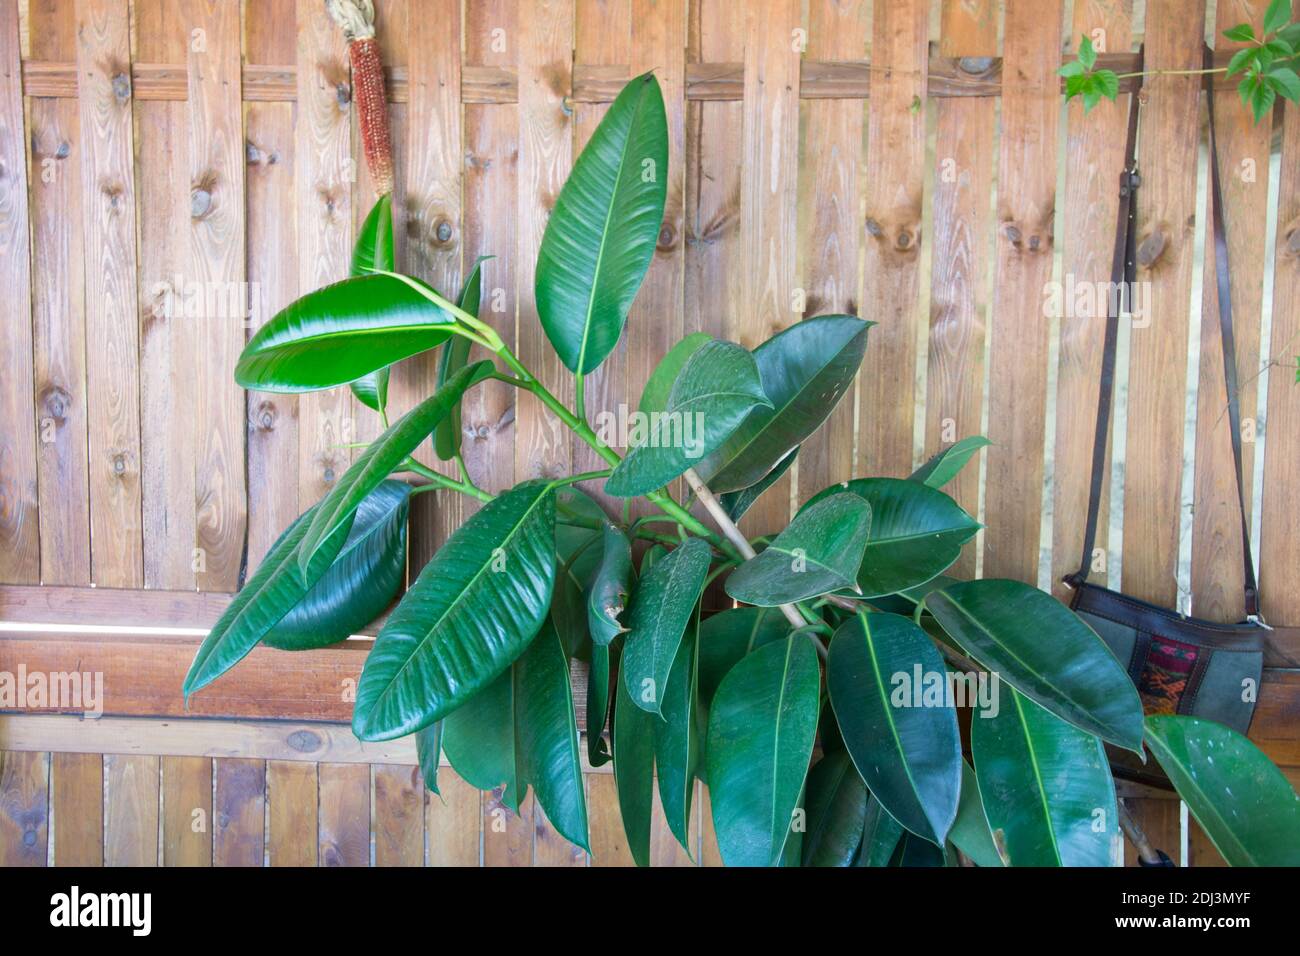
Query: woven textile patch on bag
{"points": [[1166, 674]]}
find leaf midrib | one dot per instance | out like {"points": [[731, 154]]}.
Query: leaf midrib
{"points": [[1038, 776], [1190, 781]]}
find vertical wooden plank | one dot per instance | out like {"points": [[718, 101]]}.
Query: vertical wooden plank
{"points": [[20, 549], [188, 823], [896, 156], [1280, 537], [271, 218], [608, 840], [959, 290], [131, 811], [292, 790], [24, 807], [112, 342], [77, 809], [714, 280], [545, 31], [344, 814], [507, 836], [1158, 350], [452, 822], [1243, 148], [58, 311], [768, 195], [399, 816], [1019, 334], [239, 813], [603, 37], [170, 301], [837, 30], [217, 264], [551, 849], [323, 173], [491, 192], [433, 229], [1095, 146]]}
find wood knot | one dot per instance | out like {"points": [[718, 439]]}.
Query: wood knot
{"points": [[343, 93], [63, 150], [975, 65], [200, 203], [1013, 234], [304, 741], [1151, 248], [119, 464], [1293, 241], [442, 231], [667, 237], [873, 228], [328, 475], [115, 194], [122, 86], [264, 417], [56, 402]]}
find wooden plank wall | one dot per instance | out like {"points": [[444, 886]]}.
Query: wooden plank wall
{"points": [[173, 172]]}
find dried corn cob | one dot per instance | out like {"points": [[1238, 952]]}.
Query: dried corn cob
{"points": [[357, 20]]}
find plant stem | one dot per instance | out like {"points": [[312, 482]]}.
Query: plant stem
{"points": [[464, 487], [738, 540], [585, 476], [1124, 76], [579, 396]]}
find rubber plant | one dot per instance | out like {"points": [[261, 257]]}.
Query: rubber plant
{"points": [[790, 704]]}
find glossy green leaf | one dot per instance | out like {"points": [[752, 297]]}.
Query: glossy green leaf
{"points": [[428, 751], [944, 466], [381, 457], [361, 582], [654, 397], [602, 233], [661, 609], [970, 831], [469, 615], [337, 334], [880, 836], [836, 804], [760, 739], [915, 851], [272, 592], [634, 764], [546, 735], [372, 252], [728, 636], [479, 740], [1045, 785], [714, 392], [1045, 651], [820, 551], [598, 687], [607, 597], [916, 532], [736, 503], [805, 371], [677, 739], [578, 551], [1246, 806], [881, 673], [453, 358]]}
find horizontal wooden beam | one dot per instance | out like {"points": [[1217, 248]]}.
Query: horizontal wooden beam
{"points": [[819, 80]]}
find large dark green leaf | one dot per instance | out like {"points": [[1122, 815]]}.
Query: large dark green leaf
{"points": [[916, 532], [607, 598], [602, 233], [837, 807], [373, 252], [678, 738], [598, 687], [661, 608], [820, 551], [905, 745], [578, 550], [275, 588], [468, 616], [383, 455], [944, 466], [634, 765], [880, 836], [970, 831], [728, 636], [654, 397], [715, 390], [428, 750], [1247, 807], [337, 334], [761, 731], [805, 371], [453, 358], [361, 582], [479, 740], [1042, 649], [546, 735], [1045, 785], [736, 503]]}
